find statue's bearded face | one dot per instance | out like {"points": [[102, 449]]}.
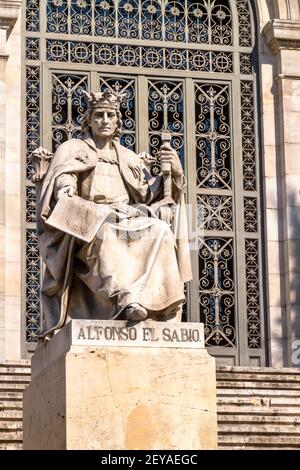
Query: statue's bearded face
{"points": [[104, 122]]}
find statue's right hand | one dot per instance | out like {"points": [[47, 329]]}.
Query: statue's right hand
{"points": [[69, 190]]}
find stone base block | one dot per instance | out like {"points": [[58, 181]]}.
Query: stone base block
{"points": [[117, 398]]}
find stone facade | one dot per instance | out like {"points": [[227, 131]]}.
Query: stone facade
{"points": [[278, 24], [280, 89], [10, 179]]}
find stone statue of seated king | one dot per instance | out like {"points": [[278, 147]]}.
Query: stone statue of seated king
{"points": [[113, 238]]}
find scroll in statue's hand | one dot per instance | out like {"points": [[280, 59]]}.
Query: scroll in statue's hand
{"points": [[169, 155], [69, 190]]}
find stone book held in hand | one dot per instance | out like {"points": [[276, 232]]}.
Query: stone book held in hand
{"points": [[78, 217]]}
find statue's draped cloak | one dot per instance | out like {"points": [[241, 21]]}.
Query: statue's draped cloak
{"points": [[98, 280]]}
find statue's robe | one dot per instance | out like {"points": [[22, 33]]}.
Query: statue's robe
{"points": [[97, 280]]}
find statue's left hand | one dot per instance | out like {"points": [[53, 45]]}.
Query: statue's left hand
{"points": [[169, 155]]}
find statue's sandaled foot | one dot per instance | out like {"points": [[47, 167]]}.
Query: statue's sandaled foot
{"points": [[135, 312]]}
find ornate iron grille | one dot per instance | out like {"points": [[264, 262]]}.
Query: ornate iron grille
{"points": [[186, 66], [32, 285], [214, 173], [68, 106], [166, 110], [213, 136], [200, 22], [216, 288]]}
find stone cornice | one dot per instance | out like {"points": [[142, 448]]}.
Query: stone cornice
{"points": [[9, 10], [282, 34]]}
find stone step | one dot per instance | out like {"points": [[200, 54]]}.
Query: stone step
{"points": [[16, 362], [259, 385], [258, 408], [16, 445], [255, 447], [11, 404], [7, 414], [287, 378], [228, 410], [10, 426], [264, 393], [265, 441], [257, 371], [8, 387], [19, 378], [10, 396], [260, 418], [11, 436], [290, 404], [26, 371], [258, 429], [284, 401], [15, 370]]}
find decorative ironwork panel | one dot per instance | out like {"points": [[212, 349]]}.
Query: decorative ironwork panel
{"points": [[137, 56], [244, 23], [176, 59], [175, 21], [166, 110], [213, 136], [81, 16], [106, 54], [124, 85], [250, 214], [57, 51], [220, 22], [206, 61], [32, 49], [248, 136], [81, 52], [30, 203], [57, 16], [197, 23], [128, 19], [221, 62], [246, 63], [33, 15], [209, 22], [194, 21], [68, 106], [199, 60], [253, 296], [216, 291], [32, 114], [129, 56], [153, 57], [152, 19], [105, 18], [215, 213], [32, 286]]}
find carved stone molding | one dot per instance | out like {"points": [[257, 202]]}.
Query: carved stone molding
{"points": [[9, 10], [282, 34]]}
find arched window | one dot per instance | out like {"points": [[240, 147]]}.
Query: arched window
{"points": [[187, 66]]}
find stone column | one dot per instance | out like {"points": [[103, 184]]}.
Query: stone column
{"points": [[283, 38], [9, 11], [3, 58]]}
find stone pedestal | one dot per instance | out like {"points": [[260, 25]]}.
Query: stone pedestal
{"points": [[154, 389]]}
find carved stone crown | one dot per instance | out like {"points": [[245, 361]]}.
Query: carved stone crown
{"points": [[105, 99]]}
